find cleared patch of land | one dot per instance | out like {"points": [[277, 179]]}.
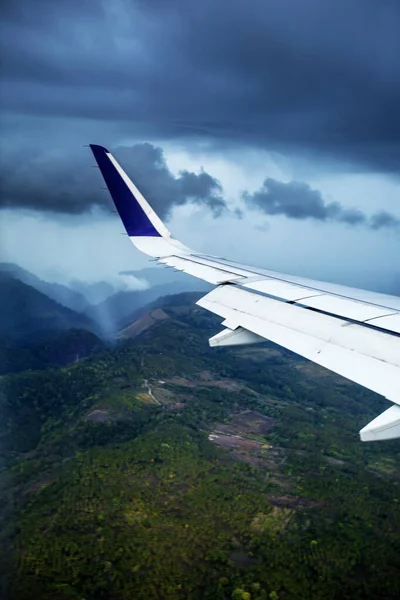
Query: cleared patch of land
{"points": [[98, 416], [145, 322]]}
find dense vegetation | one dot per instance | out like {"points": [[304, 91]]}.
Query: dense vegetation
{"points": [[56, 349], [108, 495]]}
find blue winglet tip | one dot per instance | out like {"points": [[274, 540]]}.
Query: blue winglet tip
{"points": [[135, 220], [96, 148]]}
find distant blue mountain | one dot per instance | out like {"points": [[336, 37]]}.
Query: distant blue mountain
{"points": [[28, 314], [60, 293]]}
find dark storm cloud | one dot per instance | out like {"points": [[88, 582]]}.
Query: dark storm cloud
{"points": [[297, 200], [322, 77], [162, 189], [384, 219], [65, 184]]}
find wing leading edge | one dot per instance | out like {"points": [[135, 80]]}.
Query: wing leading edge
{"points": [[355, 333]]}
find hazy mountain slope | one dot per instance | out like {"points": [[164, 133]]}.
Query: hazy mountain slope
{"points": [[26, 313], [121, 308], [175, 304], [160, 274], [93, 292], [60, 293]]}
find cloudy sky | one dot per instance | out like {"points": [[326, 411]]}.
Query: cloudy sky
{"points": [[266, 131]]}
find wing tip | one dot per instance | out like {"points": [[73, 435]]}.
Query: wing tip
{"points": [[98, 148]]}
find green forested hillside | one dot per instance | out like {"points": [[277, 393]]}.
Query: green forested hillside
{"points": [[161, 468], [60, 348]]}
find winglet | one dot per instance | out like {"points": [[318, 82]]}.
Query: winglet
{"points": [[138, 217]]}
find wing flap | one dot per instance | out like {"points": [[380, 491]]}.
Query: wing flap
{"points": [[206, 272], [350, 309], [389, 322], [363, 355], [214, 271], [366, 296]]}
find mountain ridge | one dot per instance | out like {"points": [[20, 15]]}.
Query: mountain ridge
{"points": [[62, 294], [119, 307], [27, 313]]}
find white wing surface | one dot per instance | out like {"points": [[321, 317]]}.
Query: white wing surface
{"points": [[355, 333]]}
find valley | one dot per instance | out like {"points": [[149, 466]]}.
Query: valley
{"points": [[156, 467]]}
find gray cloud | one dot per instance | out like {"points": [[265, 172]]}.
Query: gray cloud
{"points": [[297, 200], [146, 164], [63, 184], [320, 77], [384, 219]]}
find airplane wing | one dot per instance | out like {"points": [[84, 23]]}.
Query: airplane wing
{"points": [[355, 333]]}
